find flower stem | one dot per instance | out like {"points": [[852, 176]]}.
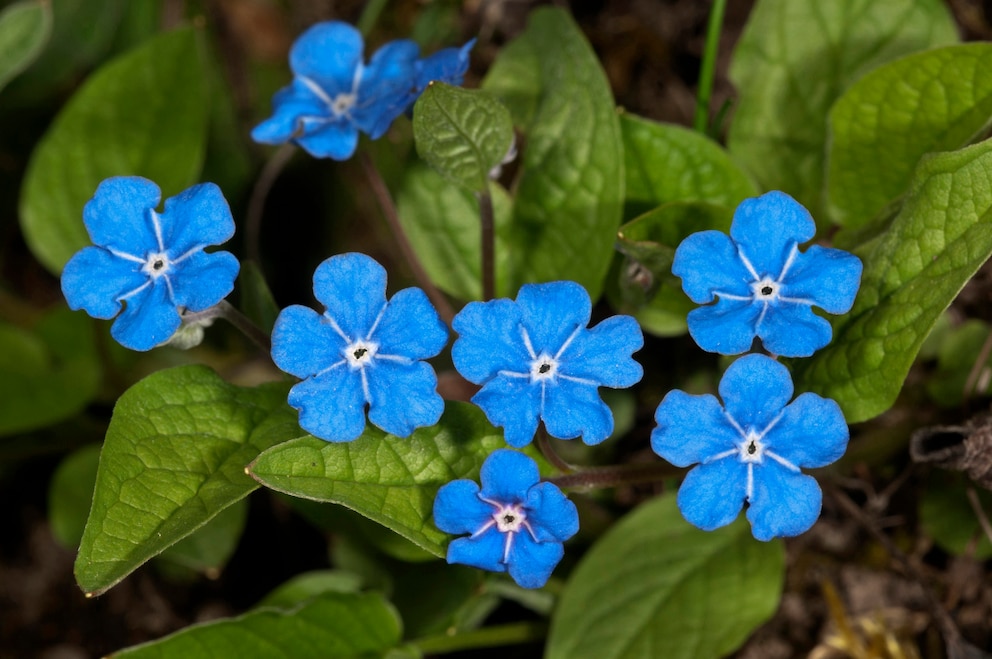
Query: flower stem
{"points": [[708, 68], [486, 216], [256, 204], [388, 208], [616, 475], [486, 637], [225, 310], [548, 451]]}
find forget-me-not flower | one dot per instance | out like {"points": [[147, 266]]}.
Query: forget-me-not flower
{"points": [[536, 359], [751, 449], [151, 263], [515, 523], [362, 351], [765, 285], [334, 94]]}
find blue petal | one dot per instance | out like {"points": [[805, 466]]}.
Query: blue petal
{"points": [[793, 330], [726, 327], [458, 508], [334, 139], [767, 228], [552, 312], [514, 404], [149, 318], [691, 429], [447, 65], [784, 504], [331, 405], [290, 105], [708, 263], [507, 475], [603, 353], [531, 563], [304, 343], [712, 494], [754, 390], [118, 217], [197, 217], [94, 279], [410, 326], [811, 433], [549, 512], [571, 409], [828, 277], [202, 280], [403, 396], [484, 552], [353, 289], [385, 87], [329, 54], [489, 340]]}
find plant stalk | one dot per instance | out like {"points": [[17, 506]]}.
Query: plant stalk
{"points": [[616, 475], [226, 310], [486, 216], [707, 70], [256, 204], [388, 208], [485, 637]]}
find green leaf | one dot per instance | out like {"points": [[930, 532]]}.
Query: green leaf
{"points": [[71, 50], [141, 114], [881, 127], [442, 222], [462, 133], [792, 62], [209, 549], [654, 586], [174, 457], [568, 202], [308, 585], [70, 492], [665, 162], [391, 480], [515, 77], [947, 516], [912, 273], [24, 30], [47, 375], [332, 625]]}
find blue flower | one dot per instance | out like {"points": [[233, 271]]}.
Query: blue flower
{"points": [[334, 95], [751, 449], [537, 360], [516, 524], [766, 286], [361, 351], [151, 262], [447, 65]]}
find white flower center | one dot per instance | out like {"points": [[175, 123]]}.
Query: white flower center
{"points": [[360, 353], [545, 367], [765, 289], [509, 518], [342, 103], [751, 449], [156, 264]]}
